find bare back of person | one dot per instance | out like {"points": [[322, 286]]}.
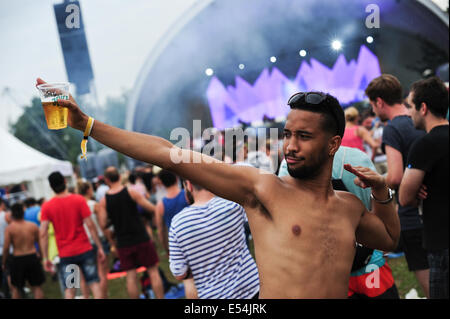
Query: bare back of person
{"points": [[23, 235], [304, 245]]}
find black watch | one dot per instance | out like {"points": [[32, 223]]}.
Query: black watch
{"points": [[386, 201]]}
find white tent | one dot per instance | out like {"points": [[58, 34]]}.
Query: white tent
{"points": [[21, 163]]}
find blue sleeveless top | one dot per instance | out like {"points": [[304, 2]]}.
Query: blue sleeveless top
{"points": [[173, 206], [31, 214]]}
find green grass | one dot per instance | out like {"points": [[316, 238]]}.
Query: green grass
{"points": [[404, 279], [116, 287]]}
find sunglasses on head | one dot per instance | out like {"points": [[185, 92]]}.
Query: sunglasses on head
{"points": [[314, 98], [309, 97]]}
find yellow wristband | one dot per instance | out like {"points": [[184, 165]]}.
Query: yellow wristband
{"points": [[87, 132]]}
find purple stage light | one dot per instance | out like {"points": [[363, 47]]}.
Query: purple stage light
{"points": [[271, 90]]}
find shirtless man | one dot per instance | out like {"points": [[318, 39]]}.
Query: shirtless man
{"points": [[25, 265], [304, 232]]}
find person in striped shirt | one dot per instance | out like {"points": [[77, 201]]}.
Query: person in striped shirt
{"points": [[207, 242]]}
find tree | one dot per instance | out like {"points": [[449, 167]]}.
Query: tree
{"points": [[31, 129]]}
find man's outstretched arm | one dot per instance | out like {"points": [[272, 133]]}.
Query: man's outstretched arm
{"points": [[234, 183]]}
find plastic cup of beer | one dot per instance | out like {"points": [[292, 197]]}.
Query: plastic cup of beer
{"points": [[55, 115]]}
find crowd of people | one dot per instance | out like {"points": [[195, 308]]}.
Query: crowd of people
{"points": [[347, 189]]}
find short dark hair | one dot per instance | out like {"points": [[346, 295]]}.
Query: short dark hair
{"points": [[386, 87], [83, 188], [167, 177], [132, 177], [196, 186], [57, 182], [367, 113], [329, 107], [30, 201], [112, 174], [433, 93], [17, 211]]}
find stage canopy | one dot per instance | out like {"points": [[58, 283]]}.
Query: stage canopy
{"points": [[21, 163], [230, 60]]}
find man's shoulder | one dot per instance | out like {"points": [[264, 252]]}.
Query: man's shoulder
{"points": [[10, 226], [187, 212], [430, 142], [421, 143], [31, 225], [393, 128], [190, 212], [76, 198], [439, 133], [350, 201], [181, 217], [269, 182], [220, 203], [398, 124], [112, 192], [20, 225], [47, 204], [346, 197]]}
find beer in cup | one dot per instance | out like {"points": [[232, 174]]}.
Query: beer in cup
{"points": [[55, 115]]}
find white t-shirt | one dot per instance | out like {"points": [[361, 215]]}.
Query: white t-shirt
{"points": [[100, 192], [91, 203], [3, 225], [377, 135]]}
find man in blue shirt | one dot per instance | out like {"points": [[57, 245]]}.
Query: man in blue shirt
{"points": [[385, 95]]}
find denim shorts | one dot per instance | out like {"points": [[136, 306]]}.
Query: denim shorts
{"points": [[70, 267]]}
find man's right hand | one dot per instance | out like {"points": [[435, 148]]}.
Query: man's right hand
{"points": [[101, 255], [422, 194], [48, 266], [76, 118]]}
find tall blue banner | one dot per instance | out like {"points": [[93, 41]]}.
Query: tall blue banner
{"points": [[74, 45]]}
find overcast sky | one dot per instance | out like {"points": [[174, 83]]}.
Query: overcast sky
{"points": [[120, 35], [116, 31]]}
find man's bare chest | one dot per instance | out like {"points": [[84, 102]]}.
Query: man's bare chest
{"points": [[306, 224]]}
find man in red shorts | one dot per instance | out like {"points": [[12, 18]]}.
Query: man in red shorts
{"points": [[133, 243]]}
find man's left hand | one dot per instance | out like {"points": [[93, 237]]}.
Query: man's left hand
{"points": [[365, 177]]}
